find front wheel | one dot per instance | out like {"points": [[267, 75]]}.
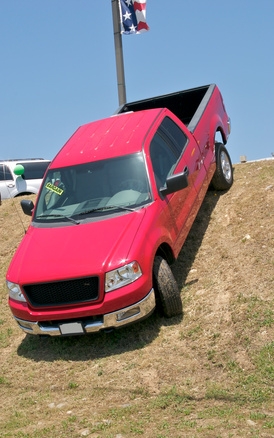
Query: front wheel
{"points": [[223, 176], [166, 288]]}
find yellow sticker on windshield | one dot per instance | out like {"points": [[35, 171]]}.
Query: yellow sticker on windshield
{"points": [[54, 188]]}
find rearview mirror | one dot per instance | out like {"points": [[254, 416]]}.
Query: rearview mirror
{"points": [[176, 182]]}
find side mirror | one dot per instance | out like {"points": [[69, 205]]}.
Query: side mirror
{"points": [[176, 182], [27, 207]]}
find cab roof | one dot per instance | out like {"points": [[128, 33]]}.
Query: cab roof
{"points": [[114, 136]]}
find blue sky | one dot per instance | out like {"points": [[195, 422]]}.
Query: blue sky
{"points": [[58, 67]]}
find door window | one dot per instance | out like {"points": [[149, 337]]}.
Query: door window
{"points": [[163, 159], [35, 170], [166, 148], [175, 134], [5, 173]]}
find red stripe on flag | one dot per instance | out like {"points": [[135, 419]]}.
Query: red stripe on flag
{"points": [[139, 6], [142, 26]]}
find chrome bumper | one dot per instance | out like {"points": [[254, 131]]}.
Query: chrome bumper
{"points": [[109, 321]]}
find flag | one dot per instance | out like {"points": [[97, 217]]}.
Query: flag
{"points": [[133, 16]]}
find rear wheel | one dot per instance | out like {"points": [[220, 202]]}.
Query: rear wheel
{"points": [[166, 288], [223, 176]]}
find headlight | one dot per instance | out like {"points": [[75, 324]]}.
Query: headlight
{"points": [[15, 292], [122, 276]]}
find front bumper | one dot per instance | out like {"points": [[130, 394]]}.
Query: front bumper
{"points": [[116, 319]]}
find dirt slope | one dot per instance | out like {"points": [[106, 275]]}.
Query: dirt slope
{"points": [[207, 374]]}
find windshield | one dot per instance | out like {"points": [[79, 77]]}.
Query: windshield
{"points": [[89, 189]]}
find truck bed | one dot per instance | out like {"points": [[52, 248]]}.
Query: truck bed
{"points": [[187, 105]]}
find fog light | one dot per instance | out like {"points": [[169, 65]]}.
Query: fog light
{"points": [[128, 314]]}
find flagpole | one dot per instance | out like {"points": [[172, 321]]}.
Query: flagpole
{"points": [[118, 52]]}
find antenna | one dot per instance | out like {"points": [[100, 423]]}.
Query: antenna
{"points": [[19, 212]]}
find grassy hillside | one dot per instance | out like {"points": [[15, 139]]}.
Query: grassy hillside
{"points": [[209, 373]]}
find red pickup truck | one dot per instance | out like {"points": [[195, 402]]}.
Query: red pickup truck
{"points": [[114, 209]]}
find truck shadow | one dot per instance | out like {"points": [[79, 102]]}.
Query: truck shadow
{"points": [[134, 337], [93, 346], [187, 255]]}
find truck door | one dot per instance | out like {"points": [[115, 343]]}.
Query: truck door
{"points": [[171, 152]]}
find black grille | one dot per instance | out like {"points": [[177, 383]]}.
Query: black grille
{"points": [[63, 292]]}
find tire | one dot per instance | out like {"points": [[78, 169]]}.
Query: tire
{"points": [[167, 292], [223, 176]]}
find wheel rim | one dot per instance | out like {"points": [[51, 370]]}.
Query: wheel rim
{"points": [[226, 167]]}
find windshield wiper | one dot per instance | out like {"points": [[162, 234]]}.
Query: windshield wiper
{"points": [[107, 207], [58, 216]]}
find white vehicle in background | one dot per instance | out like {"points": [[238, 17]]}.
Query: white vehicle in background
{"points": [[21, 176]]}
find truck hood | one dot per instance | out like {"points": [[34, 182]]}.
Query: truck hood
{"points": [[52, 254]]}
